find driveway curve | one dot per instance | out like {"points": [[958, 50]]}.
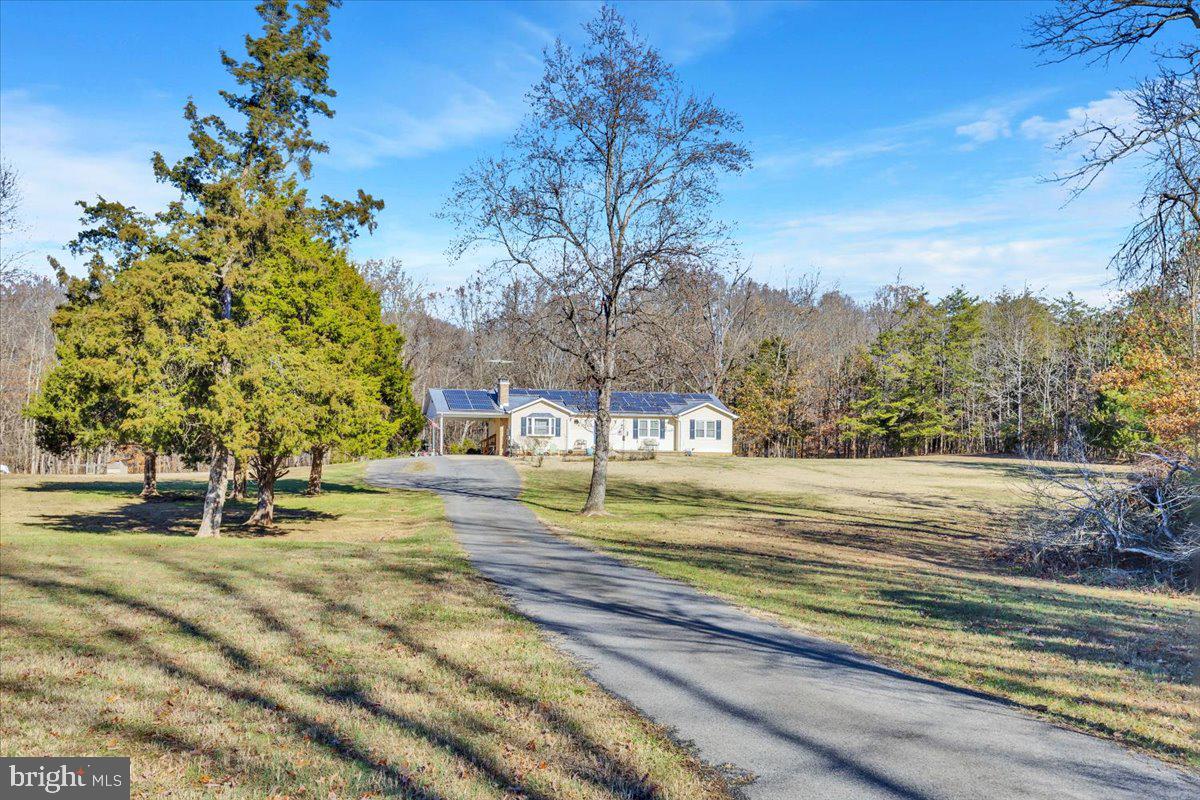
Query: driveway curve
{"points": [[807, 718]]}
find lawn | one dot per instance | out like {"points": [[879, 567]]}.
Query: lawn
{"points": [[352, 653], [895, 557]]}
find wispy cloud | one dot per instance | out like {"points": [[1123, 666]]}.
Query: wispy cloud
{"points": [[1018, 233], [980, 122], [386, 132], [996, 123], [61, 158]]}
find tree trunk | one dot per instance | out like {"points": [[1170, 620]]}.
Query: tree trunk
{"points": [[314, 472], [150, 474], [266, 472], [594, 506], [218, 471], [214, 497], [239, 479]]}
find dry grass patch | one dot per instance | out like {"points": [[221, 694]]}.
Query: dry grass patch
{"points": [[893, 557], [352, 654]]}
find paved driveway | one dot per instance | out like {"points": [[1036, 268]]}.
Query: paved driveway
{"points": [[809, 718]]}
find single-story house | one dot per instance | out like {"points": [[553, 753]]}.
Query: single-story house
{"points": [[560, 420]]}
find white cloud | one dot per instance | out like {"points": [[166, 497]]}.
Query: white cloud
{"points": [[1019, 233], [981, 122], [995, 124], [61, 158], [1114, 109], [390, 132], [832, 155]]}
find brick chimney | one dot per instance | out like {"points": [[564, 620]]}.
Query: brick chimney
{"points": [[502, 392]]}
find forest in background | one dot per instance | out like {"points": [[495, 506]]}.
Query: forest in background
{"points": [[814, 372]]}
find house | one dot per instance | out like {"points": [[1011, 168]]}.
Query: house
{"points": [[558, 420]]}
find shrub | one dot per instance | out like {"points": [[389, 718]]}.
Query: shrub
{"points": [[466, 446]]}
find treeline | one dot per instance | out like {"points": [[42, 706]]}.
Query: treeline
{"points": [[817, 373]]}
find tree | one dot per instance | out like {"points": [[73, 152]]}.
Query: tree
{"points": [[1157, 376], [361, 398], [764, 396], [240, 189], [905, 405], [132, 363], [1163, 128], [604, 194]]}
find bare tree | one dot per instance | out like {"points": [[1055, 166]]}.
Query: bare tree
{"points": [[26, 339], [1098, 30], [10, 221], [604, 194], [1163, 127]]}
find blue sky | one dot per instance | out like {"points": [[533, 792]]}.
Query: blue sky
{"points": [[888, 139]]}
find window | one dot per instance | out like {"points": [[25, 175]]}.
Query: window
{"points": [[540, 426], [706, 429], [648, 428]]}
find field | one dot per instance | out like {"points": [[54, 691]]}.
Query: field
{"points": [[354, 653], [894, 557]]}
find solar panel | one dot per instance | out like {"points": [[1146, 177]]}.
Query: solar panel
{"points": [[576, 400]]}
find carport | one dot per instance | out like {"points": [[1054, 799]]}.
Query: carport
{"points": [[443, 406]]}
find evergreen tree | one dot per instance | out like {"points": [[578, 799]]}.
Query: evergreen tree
{"points": [[131, 364], [764, 397], [902, 404]]}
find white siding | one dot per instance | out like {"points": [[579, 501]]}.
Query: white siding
{"points": [[621, 434], [705, 445], [541, 408], [577, 431]]}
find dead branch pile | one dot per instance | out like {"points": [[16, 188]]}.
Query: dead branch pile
{"points": [[1144, 521]]}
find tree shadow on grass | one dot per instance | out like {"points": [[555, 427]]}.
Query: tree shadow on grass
{"points": [[215, 664], [1045, 618], [173, 489], [175, 517]]}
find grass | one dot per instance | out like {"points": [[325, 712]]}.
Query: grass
{"points": [[352, 653], [894, 557]]}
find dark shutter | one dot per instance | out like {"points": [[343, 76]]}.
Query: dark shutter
{"points": [[718, 429], [691, 429], [636, 424], [524, 426], [558, 426], [662, 429]]}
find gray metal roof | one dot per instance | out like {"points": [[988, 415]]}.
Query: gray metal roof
{"points": [[483, 402]]}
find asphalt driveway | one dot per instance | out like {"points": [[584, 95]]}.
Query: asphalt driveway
{"points": [[806, 717]]}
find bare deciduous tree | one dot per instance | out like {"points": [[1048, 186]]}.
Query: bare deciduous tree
{"points": [[604, 194], [1098, 30], [1163, 125]]}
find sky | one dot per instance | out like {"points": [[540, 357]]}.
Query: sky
{"points": [[889, 140]]}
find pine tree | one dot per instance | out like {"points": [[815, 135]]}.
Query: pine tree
{"points": [[764, 397], [131, 364], [903, 406]]}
